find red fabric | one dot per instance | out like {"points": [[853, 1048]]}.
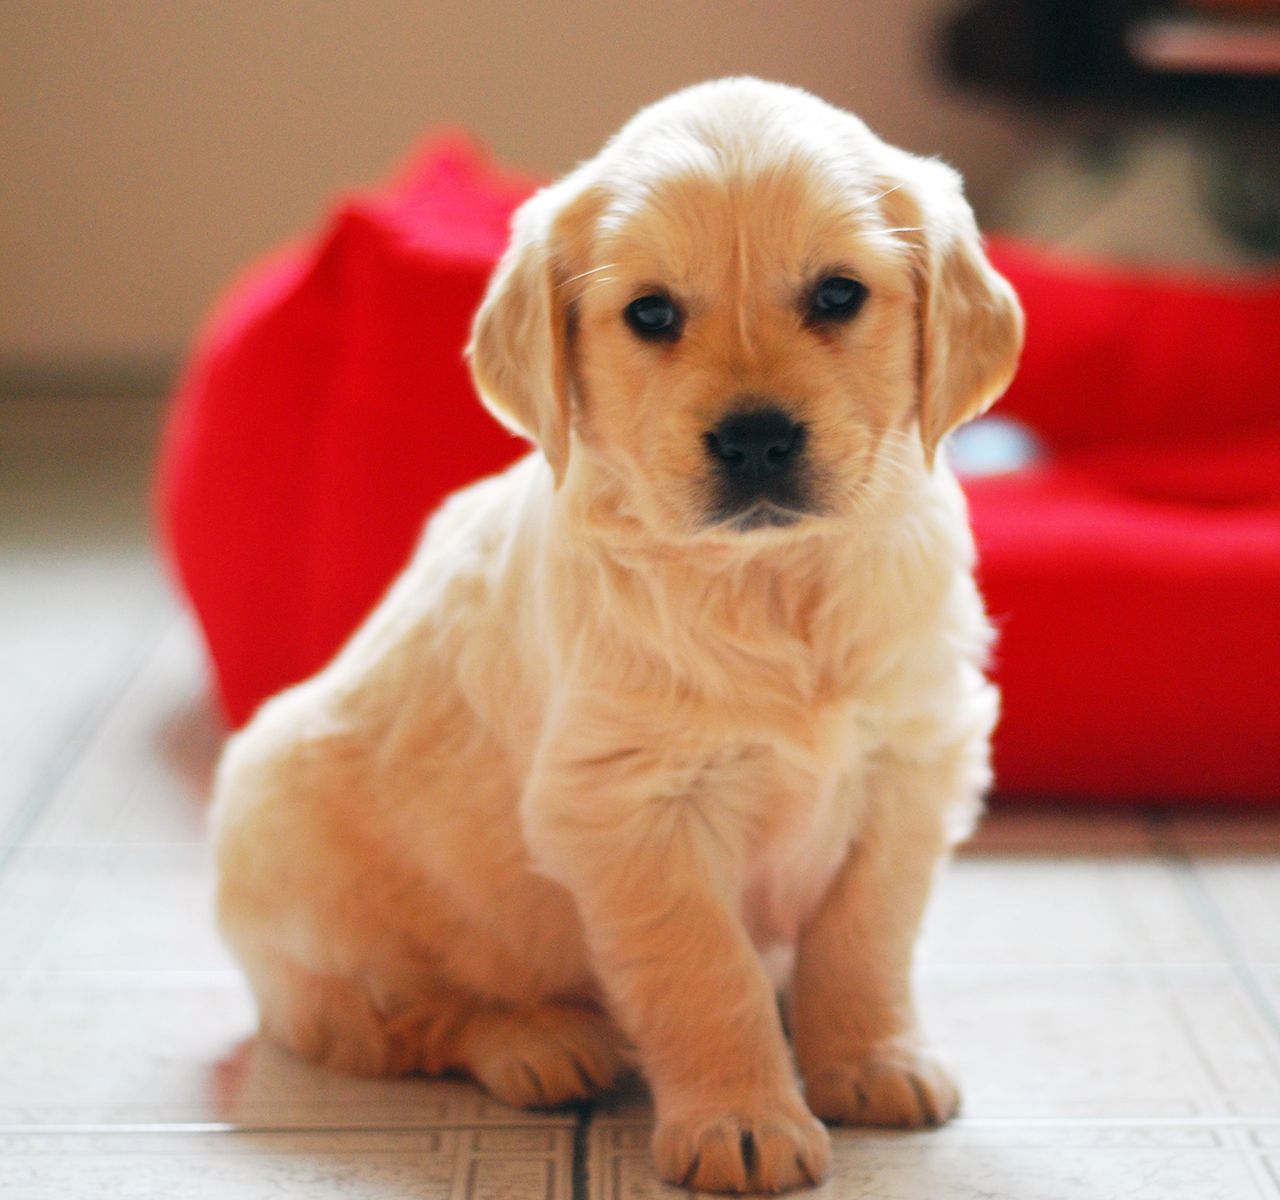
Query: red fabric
{"points": [[1139, 357], [1137, 597], [1135, 577], [327, 409]]}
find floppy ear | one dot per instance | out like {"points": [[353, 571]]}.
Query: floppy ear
{"points": [[519, 340], [970, 320]]}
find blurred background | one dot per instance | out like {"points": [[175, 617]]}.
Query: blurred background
{"points": [[153, 150], [150, 148]]}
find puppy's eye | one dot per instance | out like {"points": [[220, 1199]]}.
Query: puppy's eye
{"points": [[654, 318], [836, 299]]}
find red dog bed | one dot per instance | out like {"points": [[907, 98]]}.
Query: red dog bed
{"points": [[1135, 575]]}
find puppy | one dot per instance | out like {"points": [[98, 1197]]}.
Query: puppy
{"points": [[695, 685]]}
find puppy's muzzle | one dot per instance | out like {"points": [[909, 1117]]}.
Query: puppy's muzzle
{"points": [[758, 458]]}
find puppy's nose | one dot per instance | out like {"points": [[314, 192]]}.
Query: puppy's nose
{"points": [[755, 444]]}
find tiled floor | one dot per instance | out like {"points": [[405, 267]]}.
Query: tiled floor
{"points": [[1108, 986]]}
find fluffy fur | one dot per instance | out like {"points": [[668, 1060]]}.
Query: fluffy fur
{"points": [[598, 754]]}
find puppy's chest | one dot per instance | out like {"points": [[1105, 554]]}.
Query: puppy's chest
{"points": [[803, 829], [791, 676], [792, 815]]}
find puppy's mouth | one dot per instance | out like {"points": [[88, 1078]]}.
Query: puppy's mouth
{"points": [[762, 516]]}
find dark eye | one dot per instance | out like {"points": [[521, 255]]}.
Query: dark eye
{"points": [[655, 318], [836, 299]]}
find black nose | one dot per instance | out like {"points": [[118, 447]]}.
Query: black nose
{"points": [[756, 444]]}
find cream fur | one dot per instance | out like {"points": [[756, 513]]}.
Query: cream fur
{"points": [[591, 759]]}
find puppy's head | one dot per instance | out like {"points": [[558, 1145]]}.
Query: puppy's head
{"points": [[747, 309]]}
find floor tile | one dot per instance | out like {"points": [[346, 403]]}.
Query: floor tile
{"points": [[36, 886], [1267, 981], [1244, 891], [144, 907], [144, 776], [1115, 910], [80, 590], [135, 908], [973, 1161], [68, 639], [437, 1164], [1115, 1044]]}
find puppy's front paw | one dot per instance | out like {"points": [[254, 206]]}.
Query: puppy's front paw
{"points": [[767, 1148], [895, 1085]]}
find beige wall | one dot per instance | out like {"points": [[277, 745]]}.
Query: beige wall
{"points": [[149, 147]]}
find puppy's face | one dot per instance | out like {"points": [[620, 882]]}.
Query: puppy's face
{"points": [[746, 310], [744, 342]]}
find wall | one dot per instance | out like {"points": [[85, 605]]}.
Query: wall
{"points": [[150, 147]]}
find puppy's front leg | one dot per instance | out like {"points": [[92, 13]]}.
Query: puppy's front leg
{"points": [[853, 1019], [653, 867]]}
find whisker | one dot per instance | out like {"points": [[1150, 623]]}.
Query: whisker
{"points": [[875, 199], [595, 283], [584, 274]]}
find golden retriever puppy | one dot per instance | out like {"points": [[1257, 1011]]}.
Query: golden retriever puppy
{"points": [[696, 685]]}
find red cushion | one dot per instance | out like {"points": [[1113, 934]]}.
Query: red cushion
{"points": [[1136, 578], [1137, 595], [327, 409], [1122, 355]]}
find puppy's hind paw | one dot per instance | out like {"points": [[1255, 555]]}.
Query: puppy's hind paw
{"points": [[896, 1086], [546, 1056]]}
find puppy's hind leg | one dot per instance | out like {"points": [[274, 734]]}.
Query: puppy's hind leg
{"points": [[333, 1020], [543, 1055], [537, 1055]]}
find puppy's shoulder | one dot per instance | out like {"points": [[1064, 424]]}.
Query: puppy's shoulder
{"points": [[486, 518]]}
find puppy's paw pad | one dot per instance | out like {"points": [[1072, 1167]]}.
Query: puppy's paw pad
{"points": [[895, 1086], [769, 1150], [548, 1057]]}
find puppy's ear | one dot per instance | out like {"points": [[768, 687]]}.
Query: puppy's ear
{"points": [[519, 340], [969, 317]]}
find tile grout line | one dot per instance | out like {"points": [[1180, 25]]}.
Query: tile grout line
{"points": [[1198, 897], [579, 1166]]}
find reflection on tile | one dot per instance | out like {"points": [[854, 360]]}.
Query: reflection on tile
{"points": [[968, 1160], [1061, 831], [1078, 911], [265, 1086], [130, 1047], [481, 1164], [1216, 833]]}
